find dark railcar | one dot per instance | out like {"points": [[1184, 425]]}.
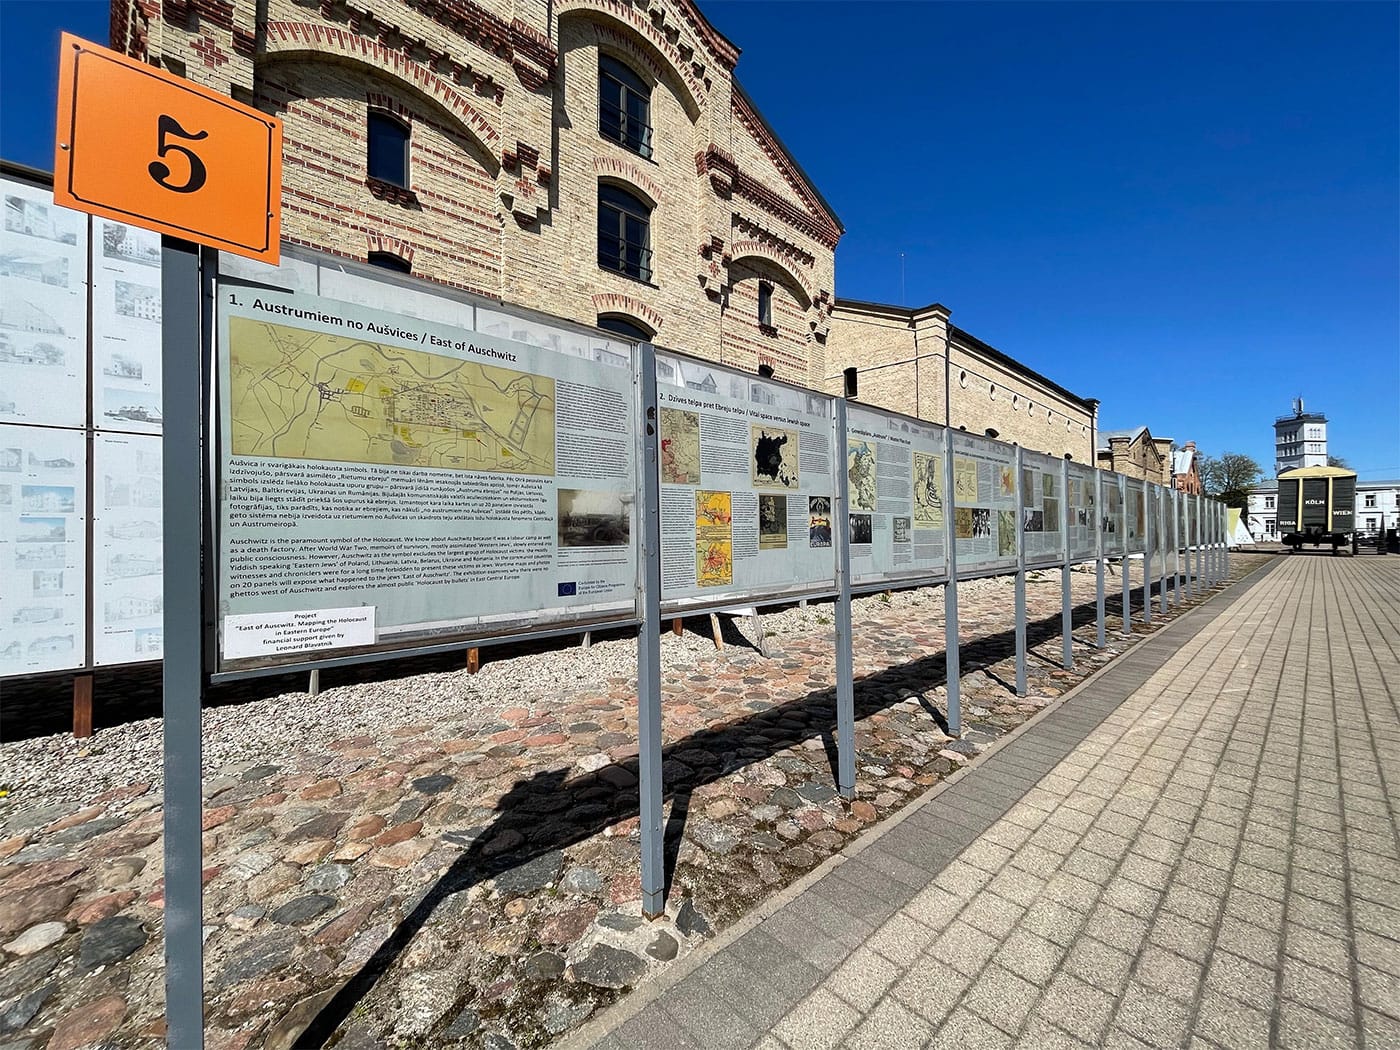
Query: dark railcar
{"points": [[1317, 506]]}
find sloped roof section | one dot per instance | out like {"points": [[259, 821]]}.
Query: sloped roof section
{"points": [[800, 182]]}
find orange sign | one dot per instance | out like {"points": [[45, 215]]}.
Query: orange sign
{"points": [[143, 146]]}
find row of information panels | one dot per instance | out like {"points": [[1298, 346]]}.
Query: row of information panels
{"points": [[398, 466]]}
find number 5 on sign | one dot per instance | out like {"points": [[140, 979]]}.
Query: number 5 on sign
{"points": [[143, 146]]}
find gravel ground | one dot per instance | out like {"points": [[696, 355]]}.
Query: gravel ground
{"points": [[51, 769]]}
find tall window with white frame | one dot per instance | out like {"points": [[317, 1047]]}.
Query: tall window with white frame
{"points": [[624, 106], [624, 232], [386, 152]]}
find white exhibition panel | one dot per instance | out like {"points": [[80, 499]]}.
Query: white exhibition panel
{"points": [[43, 309], [1042, 509], [894, 468], [43, 549], [748, 487], [1115, 527], [126, 312], [1083, 514], [984, 503], [127, 595], [456, 484], [1136, 515]]}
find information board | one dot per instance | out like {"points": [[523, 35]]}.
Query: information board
{"points": [[387, 482], [43, 549], [43, 309], [1042, 508], [1083, 514], [1136, 515], [747, 486], [984, 503], [126, 309], [894, 468], [127, 561], [1114, 528]]}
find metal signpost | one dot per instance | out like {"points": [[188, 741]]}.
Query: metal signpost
{"points": [[649, 759], [1127, 573], [1020, 487], [1066, 605], [1162, 549], [204, 169], [845, 684], [1099, 512], [1147, 538], [952, 658]]}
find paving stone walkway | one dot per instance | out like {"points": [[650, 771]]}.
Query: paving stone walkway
{"points": [[1198, 849]]}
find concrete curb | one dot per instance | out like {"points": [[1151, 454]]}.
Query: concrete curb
{"points": [[625, 1009]]}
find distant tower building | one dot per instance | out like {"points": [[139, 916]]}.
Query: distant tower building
{"points": [[1300, 440]]}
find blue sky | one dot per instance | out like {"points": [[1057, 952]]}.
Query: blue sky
{"points": [[1188, 211]]}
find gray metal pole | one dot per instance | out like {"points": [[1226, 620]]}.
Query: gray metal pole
{"points": [[952, 659], [1020, 580], [183, 675], [1066, 601], [1147, 552], [1176, 548], [649, 757], [1162, 549], [1200, 546], [1099, 640], [1188, 523], [845, 686], [1127, 572]]}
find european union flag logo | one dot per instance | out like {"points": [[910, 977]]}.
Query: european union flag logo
{"points": [[568, 590]]}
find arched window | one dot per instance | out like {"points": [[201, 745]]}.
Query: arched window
{"points": [[624, 328], [386, 156], [765, 304], [624, 106], [390, 261], [624, 232]]}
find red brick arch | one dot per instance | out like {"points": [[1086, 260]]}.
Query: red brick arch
{"points": [[319, 41], [741, 250], [660, 52]]}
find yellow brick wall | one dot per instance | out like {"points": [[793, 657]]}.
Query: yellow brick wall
{"points": [[502, 96], [902, 356]]}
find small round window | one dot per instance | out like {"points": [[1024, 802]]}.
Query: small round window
{"points": [[962, 379], [1015, 400], [992, 390]]}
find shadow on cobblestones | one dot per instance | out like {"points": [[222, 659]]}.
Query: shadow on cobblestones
{"points": [[552, 810]]}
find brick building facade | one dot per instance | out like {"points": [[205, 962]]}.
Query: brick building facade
{"points": [[1136, 454], [1186, 470], [914, 361], [527, 127]]}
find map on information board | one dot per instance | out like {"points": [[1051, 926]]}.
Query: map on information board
{"points": [[296, 394]]}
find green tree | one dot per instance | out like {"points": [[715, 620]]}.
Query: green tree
{"points": [[1230, 477], [1338, 461]]}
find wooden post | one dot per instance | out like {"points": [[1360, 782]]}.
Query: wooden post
{"points": [[678, 626], [82, 706], [473, 660], [313, 687], [715, 632], [760, 639], [587, 639]]}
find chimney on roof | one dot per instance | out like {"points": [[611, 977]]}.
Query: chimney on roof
{"points": [[1191, 445]]}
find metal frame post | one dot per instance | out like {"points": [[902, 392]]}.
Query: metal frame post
{"points": [[1066, 604], [649, 757], [1099, 640], [183, 353], [1227, 540], [1127, 571], [845, 685], [952, 659], [1200, 547], [1162, 549], [1176, 547], [1020, 578], [1147, 538], [1188, 522]]}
